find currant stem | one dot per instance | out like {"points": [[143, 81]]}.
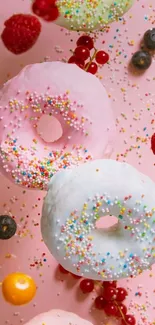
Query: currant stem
{"points": [[91, 59], [96, 282], [115, 302]]}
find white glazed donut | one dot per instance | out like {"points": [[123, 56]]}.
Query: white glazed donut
{"points": [[77, 198], [89, 15], [58, 317]]}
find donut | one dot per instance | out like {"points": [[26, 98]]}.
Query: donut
{"points": [[79, 197], [53, 116], [89, 15], [58, 317]]}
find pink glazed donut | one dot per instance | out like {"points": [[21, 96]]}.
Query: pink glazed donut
{"points": [[53, 116], [58, 317]]}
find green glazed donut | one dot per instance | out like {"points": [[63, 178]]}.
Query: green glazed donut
{"points": [[88, 15]]}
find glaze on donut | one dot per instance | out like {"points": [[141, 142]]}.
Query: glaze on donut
{"points": [[77, 198], [89, 15], [81, 124], [58, 317]]}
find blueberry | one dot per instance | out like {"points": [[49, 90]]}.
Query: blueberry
{"points": [[141, 60], [8, 227], [149, 39]]}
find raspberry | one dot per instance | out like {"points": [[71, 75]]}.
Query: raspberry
{"points": [[20, 33]]}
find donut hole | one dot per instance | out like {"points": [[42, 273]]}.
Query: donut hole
{"points": [[49, 128], [106, 222]]}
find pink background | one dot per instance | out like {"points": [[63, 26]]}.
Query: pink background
{"points": [[133, 101]]}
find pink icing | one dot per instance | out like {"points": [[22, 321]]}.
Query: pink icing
{"points": [[58, 317], [81, 106]]}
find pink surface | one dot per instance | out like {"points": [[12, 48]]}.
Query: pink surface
{"points": [[133, 100], [49, 128]]}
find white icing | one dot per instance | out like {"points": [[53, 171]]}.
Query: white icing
{"points": [[77, 198]]}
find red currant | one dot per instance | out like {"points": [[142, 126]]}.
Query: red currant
{"points": [[72, 59], [40, 7], [81, 52], [45, 9], [62, 270], [110, 284], [121, 294], [122, 309], [77, 61], [102, 57], [52, 15], [86, 41], [79, 65], [110, 309], [92, 68], [109, 293], [129, 319], [76, 276], [153, 143], [87, 285], [100, 302]]}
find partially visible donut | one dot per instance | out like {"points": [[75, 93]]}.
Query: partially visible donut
{"points": [[53, 115], [77, 198], [89, 15], [58, 317]]}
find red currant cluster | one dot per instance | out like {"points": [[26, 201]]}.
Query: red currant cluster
{"points": [[46, 9], [82, 53], [110, 300]]}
